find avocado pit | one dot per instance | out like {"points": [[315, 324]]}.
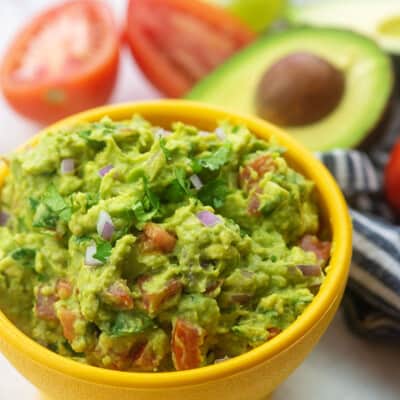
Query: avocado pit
{"points": [[299, 89]]}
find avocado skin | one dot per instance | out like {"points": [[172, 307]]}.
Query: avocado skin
{"points": [[383, 113]]}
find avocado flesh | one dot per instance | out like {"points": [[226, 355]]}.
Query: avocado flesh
{"points": [[378, 19], [367, 70]]}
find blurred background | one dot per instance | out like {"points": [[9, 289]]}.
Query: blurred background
{"points": [[353, 77]]}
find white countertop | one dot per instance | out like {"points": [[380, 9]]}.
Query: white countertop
{"points": [[342, 366]]}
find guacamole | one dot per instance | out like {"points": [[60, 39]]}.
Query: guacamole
{"points": [[132, 247]]}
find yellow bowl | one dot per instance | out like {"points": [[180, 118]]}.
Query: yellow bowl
{"points": [[253, 375]]}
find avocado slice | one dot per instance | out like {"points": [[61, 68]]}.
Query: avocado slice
{"points": [[379, 20], [366, 68]]}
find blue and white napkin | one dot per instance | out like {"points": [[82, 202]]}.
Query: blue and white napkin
{"points": [[372, 300]]}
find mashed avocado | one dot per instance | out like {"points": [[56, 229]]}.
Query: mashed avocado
{"points": [[131, 247]]}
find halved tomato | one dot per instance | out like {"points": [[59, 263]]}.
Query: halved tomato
{"points": [[178, 42], [392, 178], [64, 61]]}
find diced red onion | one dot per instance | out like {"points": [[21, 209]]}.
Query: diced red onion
{"points": [[208, 218], [310, 270], [4, 218], [220, 360], [196, 182], [160, 133], [89, 259], [105, 170], [67, 166], [220, 133], [105, 226]]}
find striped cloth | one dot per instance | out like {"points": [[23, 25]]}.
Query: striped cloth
{"points": [[372, 299]]}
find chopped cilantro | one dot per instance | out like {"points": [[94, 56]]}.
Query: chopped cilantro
{"points": [[167, 153], [128, 323], [33, 203], [103, 251], [150, 195], [213, 193], [25, 256], [141, 214], [214, 161], [50, 209]]}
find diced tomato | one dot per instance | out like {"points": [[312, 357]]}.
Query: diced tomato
{"points": [[144, 358], [187, 340], [254, 203], [67, 320], [64, 289], [45, 306], [321, 249], [392, 178], [273, 332], [153, 301], [251, 173], [65, 60], [177, 42], [156, 238], [119, 295]]}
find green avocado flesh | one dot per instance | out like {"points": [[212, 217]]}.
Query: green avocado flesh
{"points": [[213, 249], [368, 82], [379, 20]]}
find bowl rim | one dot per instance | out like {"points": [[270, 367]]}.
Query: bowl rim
{"points": [[330, 196]]}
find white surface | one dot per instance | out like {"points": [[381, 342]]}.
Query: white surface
{"points": [[342, 367]]}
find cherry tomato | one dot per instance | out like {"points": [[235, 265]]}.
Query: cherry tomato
{"points": [[64, 61], [177, 42], [392, 178]]}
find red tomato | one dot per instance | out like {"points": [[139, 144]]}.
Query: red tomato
{"points": [[64, 61], [392, 178], [156, 238], [186, 342], [153, 302], [67, 320], [177, 42], [321, 249], [44, 307]]}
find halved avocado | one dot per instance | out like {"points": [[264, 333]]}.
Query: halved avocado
{"points": [[378, 19], [358, 108]]}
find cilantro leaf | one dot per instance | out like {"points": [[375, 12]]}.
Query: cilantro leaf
{"points": [[141, 214], [25, 256], [151, 196], [178, 188], [213, 193], [54, 200], [167, 152], [50, 209], [33, 203], [215, 160], [82, 239], [103, 251], [180, 176], [130, 323]]}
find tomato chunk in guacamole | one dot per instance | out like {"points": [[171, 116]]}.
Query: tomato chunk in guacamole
{"points": [[132, 247]]}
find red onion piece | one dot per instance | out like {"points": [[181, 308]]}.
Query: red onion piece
{"points": [[220, 133], [204, 133], [67, 166], [105, 226], [310, 270], [196, 182], [105, 170], [89, 259], [220, 360], [207, 218], [161, 133], [4, 218]]}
